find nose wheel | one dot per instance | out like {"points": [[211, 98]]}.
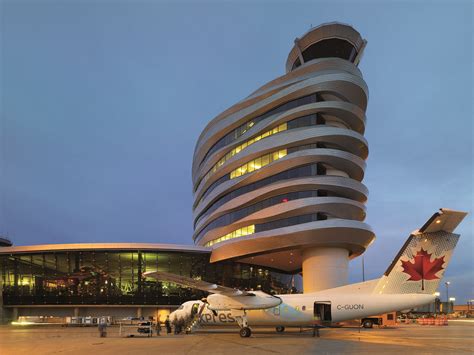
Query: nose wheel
{"points": [[245, 332]]}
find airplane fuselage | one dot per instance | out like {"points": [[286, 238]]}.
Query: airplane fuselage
{"points": [[306, 309]]}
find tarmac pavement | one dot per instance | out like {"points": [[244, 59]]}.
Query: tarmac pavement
{"points": [[457, 338]]}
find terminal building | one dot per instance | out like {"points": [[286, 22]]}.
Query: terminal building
{"points": [[278, 193], [106, 279]]}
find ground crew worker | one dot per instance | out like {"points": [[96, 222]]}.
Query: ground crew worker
{"points": [[103, 327]]}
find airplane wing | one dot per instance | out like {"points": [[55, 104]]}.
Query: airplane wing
{"points": [[197, 284]]}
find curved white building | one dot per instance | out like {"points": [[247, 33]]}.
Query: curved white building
{"points": [[278, 176]]}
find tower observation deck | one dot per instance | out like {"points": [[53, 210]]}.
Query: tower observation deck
{"points": [[277, 178]]}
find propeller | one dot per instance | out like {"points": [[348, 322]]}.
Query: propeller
{"points": [[204, 300]]}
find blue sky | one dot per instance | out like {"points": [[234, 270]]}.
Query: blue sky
{"points": [[102, 103]]}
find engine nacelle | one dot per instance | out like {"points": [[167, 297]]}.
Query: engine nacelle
{"points": [[252, 300]]}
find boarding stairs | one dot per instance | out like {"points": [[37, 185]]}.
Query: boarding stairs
{"points": [[195, 321]]}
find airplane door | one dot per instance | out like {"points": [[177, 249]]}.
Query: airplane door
{"points": [[322, 311]]}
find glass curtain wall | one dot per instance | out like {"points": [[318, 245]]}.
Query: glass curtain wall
{"points": [[115, 277]]}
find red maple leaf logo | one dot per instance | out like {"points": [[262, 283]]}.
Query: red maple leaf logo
{"points": [[422, 267]]}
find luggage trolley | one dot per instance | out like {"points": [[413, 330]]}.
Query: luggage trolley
{"points": [[130, 330]]}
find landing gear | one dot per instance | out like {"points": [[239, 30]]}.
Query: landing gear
{"points": [[280, 329], [245, 332]]}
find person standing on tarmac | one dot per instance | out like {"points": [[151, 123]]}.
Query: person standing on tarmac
{"points": [[168, 325], [103, 327], [158, 326]]}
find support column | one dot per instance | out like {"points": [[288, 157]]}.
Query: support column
{"points": [[139, 312], [76, 311], [324, 268], [15, 314]]}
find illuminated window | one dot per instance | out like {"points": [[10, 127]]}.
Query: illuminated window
{"points": [[280, 128], [258, 163], [241, 232]]}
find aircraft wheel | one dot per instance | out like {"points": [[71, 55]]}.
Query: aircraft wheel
{"points": [[245, 332], [280, 329], [368, 324]]}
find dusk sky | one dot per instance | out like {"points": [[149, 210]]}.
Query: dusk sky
{"points": [[103, 102]]}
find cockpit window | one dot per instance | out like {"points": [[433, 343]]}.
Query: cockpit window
{"points": [[180, 307]]}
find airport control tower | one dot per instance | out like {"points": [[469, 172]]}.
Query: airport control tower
{"points": [[278, 176]]}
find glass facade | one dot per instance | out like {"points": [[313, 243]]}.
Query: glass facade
{"points": [[233, 216], [114, 277], [241, 147], [236, 133], [279, 223], [333, 47], [241, 232], [300, 171], [303, 121], [258, 163]]}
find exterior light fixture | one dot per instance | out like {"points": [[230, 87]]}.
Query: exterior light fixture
{"points": [[438, 221]]}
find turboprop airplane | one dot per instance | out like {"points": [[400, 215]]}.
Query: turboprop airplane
{"points": [[410, 281]]}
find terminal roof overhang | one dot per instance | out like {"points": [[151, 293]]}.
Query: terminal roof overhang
{"points": [[104, 246]]}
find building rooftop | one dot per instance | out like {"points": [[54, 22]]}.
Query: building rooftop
{"points": [[102, 246], [333, 39]]}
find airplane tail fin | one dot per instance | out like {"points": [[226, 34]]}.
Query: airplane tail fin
{"points": [[420, 264]]}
